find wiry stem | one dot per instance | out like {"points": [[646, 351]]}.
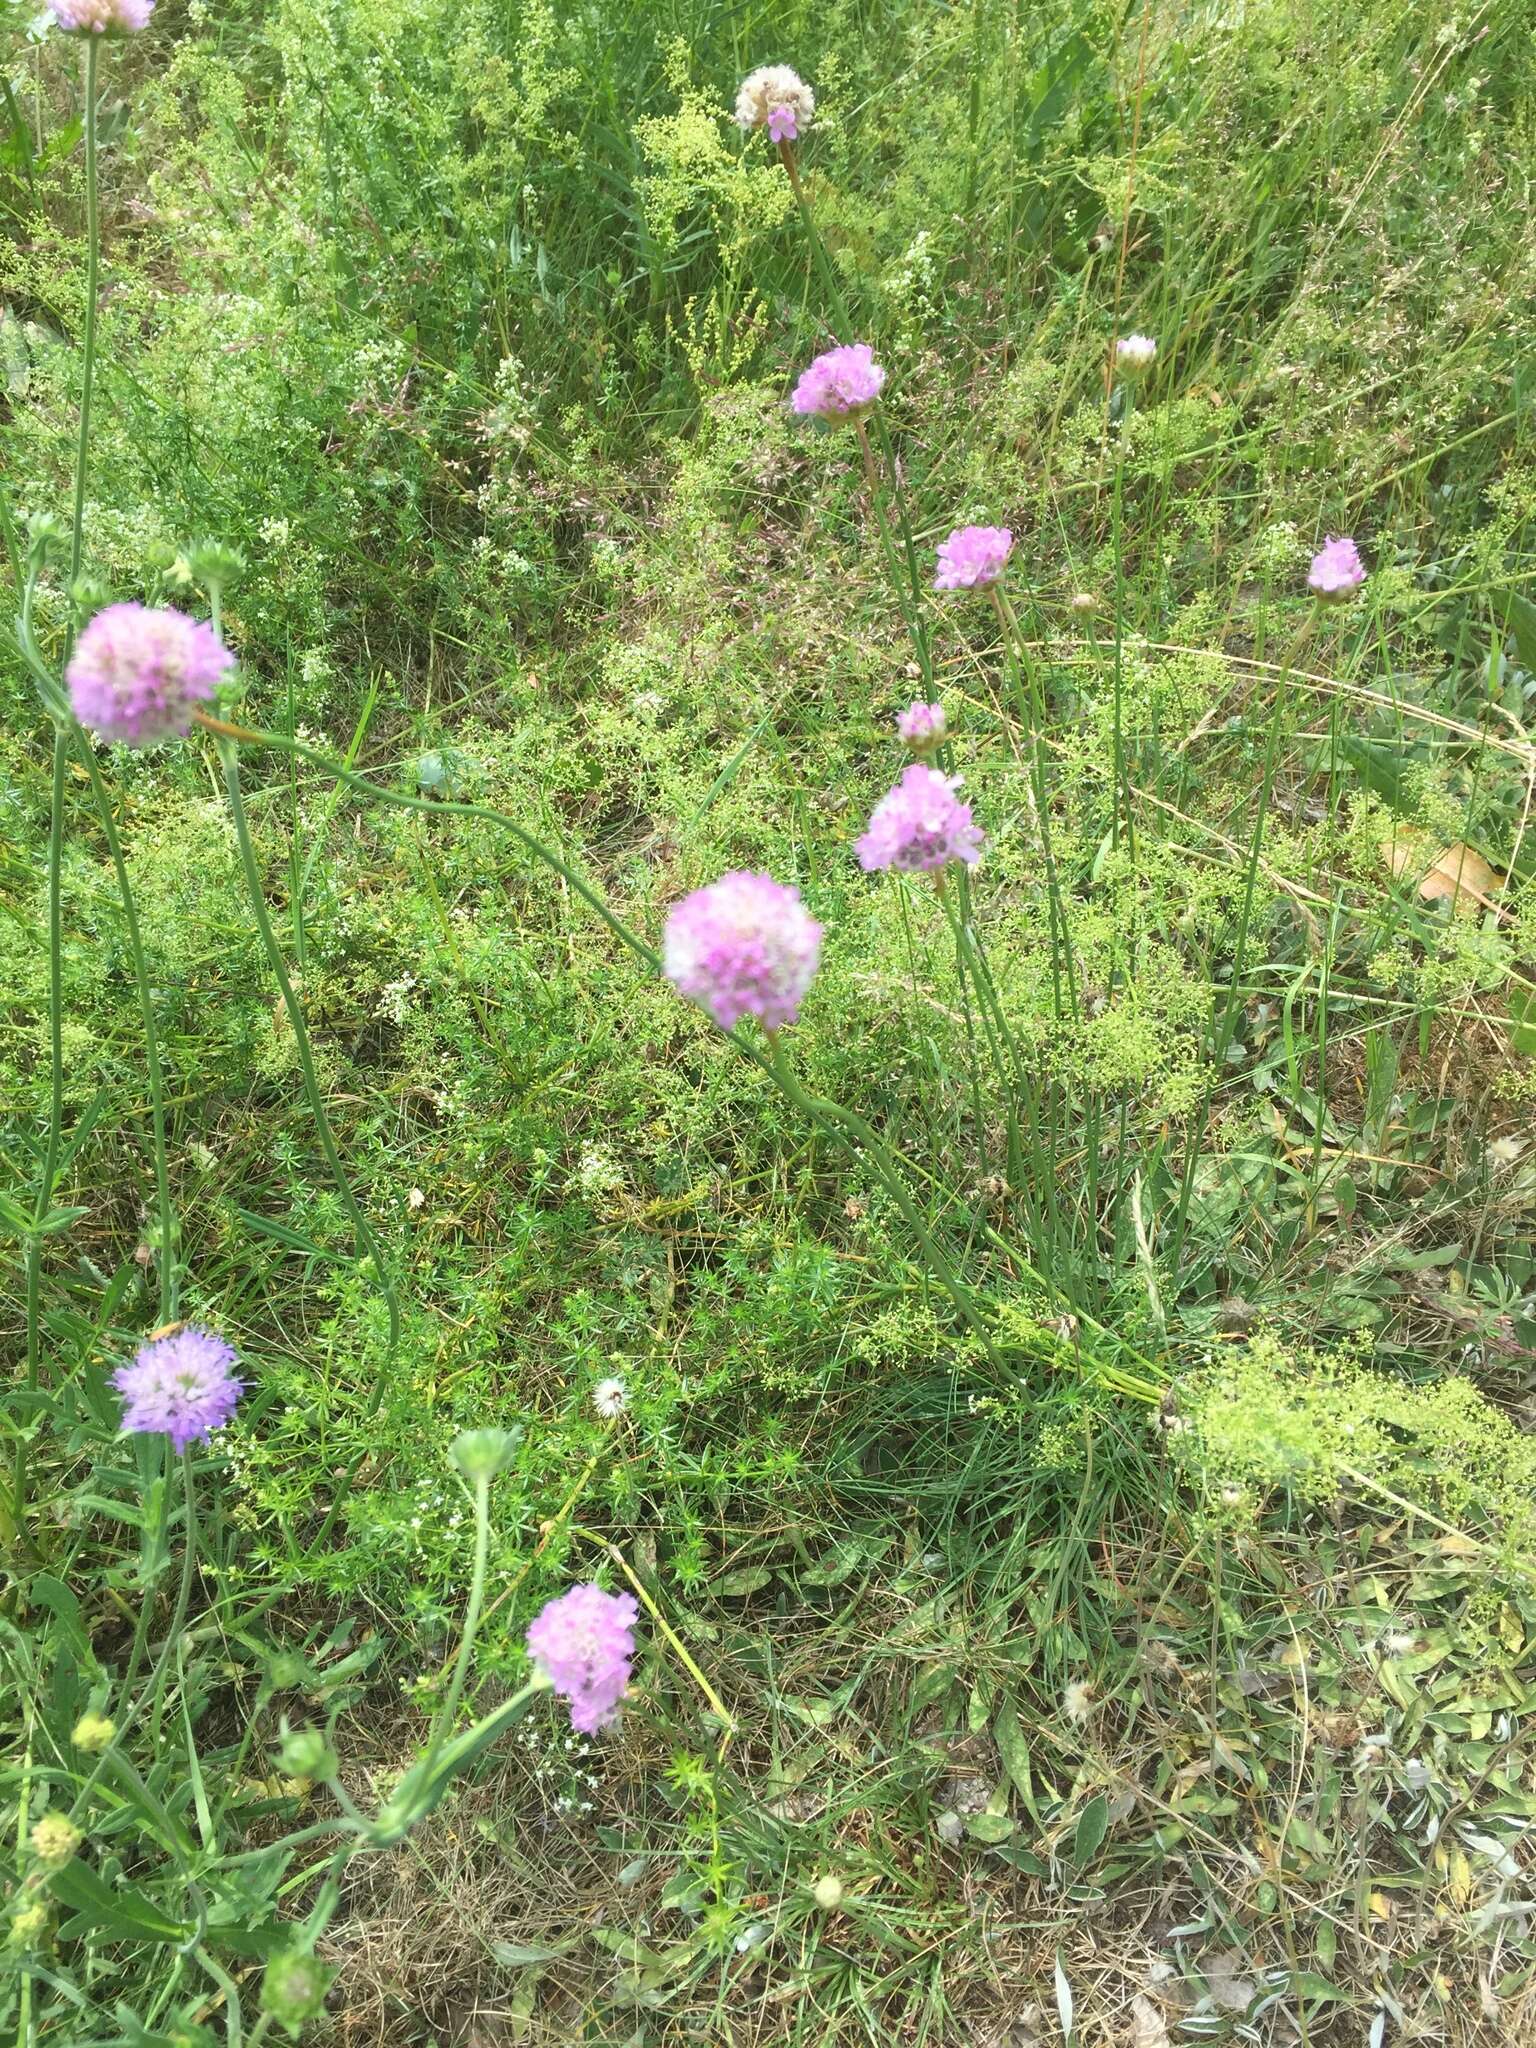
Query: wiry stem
{"points": [[366, 1243]]}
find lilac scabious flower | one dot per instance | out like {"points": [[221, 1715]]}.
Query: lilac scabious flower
{"points": [[584, 1644], [972, 557], [922, 726], [1336, 570], [745, 946], [840, 385], [136, 673], [181, 1385], [102, 17], [772, 92], [920, 825]]}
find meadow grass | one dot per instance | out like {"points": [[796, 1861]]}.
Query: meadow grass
{"points": [[1071, 1464]]}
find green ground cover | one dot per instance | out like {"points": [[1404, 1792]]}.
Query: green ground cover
{"points": [[1080, 1509]]}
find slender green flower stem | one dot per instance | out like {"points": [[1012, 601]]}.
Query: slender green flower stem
{"points": [[1031, 695], [839, 306], [156, 1685], [857, 1137], [450, 1706], [92, 263], [367, 1244], [17, 1507], [1222, 1035], [167, 1249], [1117, 531]]}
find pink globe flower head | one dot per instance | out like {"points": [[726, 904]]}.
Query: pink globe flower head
{"points": [[181, 1385], [920, 825], [774, 91], [973, 557], [922, 726], [1337, 570], [136, 673], [745, 946], [841, 385], [584, 1644], [102, 17]]}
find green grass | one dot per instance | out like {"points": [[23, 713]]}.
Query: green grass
{"points": [[1146, 1651]]}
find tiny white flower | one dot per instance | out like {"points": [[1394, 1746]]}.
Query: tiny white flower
{"points": [[415, 1198], [610, 1399], [1134, 353]]}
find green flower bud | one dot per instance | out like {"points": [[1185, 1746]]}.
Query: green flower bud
{"points": [[479, 1454], [293, 1988], [305, 1753], [93, 1733], [212, 563], [29, 1924], [55, 1840]]}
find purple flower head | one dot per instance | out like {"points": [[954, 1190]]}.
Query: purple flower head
{"points": [[781, 125], [840, 385], [972, 557], [584, 1644], [1336, 570], [102, 17], [181, 1386], [136, 673], [920, 825], [746, 946], [922, 726]]}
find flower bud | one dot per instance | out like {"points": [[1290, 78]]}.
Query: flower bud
{"points": [[29, 1924], [55, 1840], [293, 1988], [214, 564], [93, 1733], [479, 1454], [828, 1893], [305, 1753]]}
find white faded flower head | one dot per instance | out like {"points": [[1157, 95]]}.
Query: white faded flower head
{"points": [[1077, 1701], [1134, 353], [610, 1399], [769, 88]]}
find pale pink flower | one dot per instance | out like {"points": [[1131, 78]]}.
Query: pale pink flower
{"points": [[920, 825], [745, 946], [973, 557], [841, 385], [584, 1644], [1337, 570], [922, 726]]}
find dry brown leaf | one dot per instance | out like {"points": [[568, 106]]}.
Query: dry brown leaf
{"points": [[1457, 875], [1148, 2027]]}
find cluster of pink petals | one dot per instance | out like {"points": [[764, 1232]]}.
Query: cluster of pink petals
{"points": [[136, 673], [972, 557], [922, 726], [584, 1644], [182, 1386], [782, 126], [102, 17], [840, 385], [745, 946], [1336, 569], [920, 825]]}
